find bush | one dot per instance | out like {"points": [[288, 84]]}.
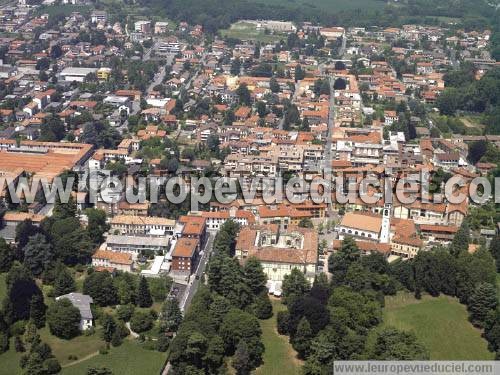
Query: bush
{"points": [[63, 319], [125, 312], [52, 365], [19, 345], [18, 328], [72, 357], [23, 361], [149, 345], [141, 322], [103, 350], [283, 318], [162, 343], [4, 342], [263, 309]]}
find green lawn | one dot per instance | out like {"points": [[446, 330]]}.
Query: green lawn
{"points": [[332, 5], [81, 346], [440, 324], [10, 361], [127, 359], [247, 31], [279, 356]]}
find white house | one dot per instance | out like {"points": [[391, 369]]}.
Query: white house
{"points": [[81, 302]]}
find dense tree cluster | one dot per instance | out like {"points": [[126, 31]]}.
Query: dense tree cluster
{"points": [[464, 93], [223, 317]]}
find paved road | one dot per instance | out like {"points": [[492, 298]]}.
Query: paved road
{"points": [[327, 166], [158, 79], [194, 284]]}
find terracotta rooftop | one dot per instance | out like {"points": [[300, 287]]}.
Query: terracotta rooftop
{"points": [[185, 247], [113, 257], [362, 222]]}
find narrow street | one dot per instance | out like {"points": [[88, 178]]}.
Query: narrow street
{"points": [[327, 166]]}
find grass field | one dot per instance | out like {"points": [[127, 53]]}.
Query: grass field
{"points": [[440, 324], [247, 31], [279, 356], [127, 359], [80, 346], [10, 361], [332, 5]]}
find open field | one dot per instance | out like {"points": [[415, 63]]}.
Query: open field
{"points": [[473, 122], [127, 359], [247, 31], [279, 356], [440, 324], [80, 346], [10, 361], [332, 5]]}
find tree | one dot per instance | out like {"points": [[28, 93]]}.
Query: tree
{"points": [[34, 365], [6, 256], [52, 365], [300, 74], [294, 285], [339, 84], [339, 65], [255, 277], [244, 94], [301, 341], [42, 64], [64, 282], [494, 249], [316, 313], [38, 254], [97, 225], [99, 285], [20, 290], [391, 344], [4, 342], [461, 240], [63, 319], [235, 67], [143, 297], [108, 327], [214, 356], [30, 333], [261, 109], [171, 315], [24, 231], [305, 125], [141, 321], [241, 360], [338, 263], [283, 319], [306, 223], [125, 312], [476, 151], [263, 309], [482, 301], [274, 85], [53, 129], [37, 310], [55, 51], [238, 325]]}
